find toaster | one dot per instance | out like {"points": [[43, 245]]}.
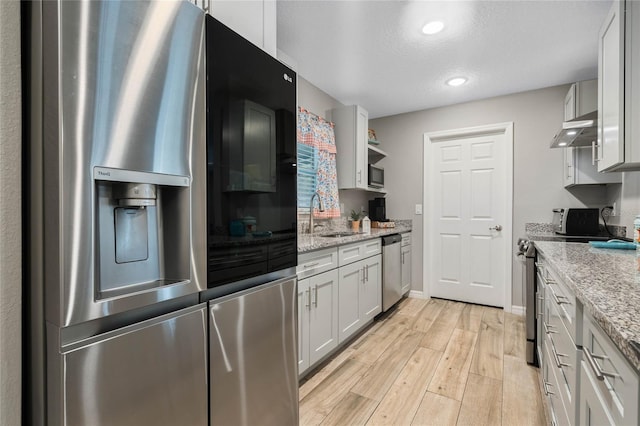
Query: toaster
{"points": [[584, 222]]}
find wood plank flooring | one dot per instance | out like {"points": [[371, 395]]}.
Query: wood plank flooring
{"points": [[428, 362]]}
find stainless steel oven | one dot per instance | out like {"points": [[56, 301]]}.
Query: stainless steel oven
{"points": [[526, 252]]}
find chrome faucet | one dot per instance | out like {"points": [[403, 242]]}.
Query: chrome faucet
{"points": [[320, 207]]}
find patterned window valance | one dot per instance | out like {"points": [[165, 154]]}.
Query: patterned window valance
{"points": [[317, 164]]}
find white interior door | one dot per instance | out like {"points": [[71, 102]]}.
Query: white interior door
{"points": [[468, 184]]}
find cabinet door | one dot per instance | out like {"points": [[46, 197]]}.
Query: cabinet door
{"points": [[351, 277], [585, 173], [304, 304], [362, 154], [570, 104], [253, 20], [371, 289], [405, 252], [569, 167], [323, 315], [592, 408], [351, 130], [611, 89]]}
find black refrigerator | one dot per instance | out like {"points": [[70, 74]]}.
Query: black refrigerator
{"points": [[251, 232]]}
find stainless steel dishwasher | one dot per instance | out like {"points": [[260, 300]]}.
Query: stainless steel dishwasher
{"points": [[391, 271]]}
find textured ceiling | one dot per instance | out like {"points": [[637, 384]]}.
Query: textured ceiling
{"points": [[373, 53]]}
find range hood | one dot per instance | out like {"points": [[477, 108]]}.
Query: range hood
{"points": [[578, 132]]}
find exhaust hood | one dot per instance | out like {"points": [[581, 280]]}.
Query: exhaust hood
{"points": [[581, 131]]}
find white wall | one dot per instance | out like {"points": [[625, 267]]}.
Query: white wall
{"points": [[627, 197], [538, 188], [10, 222]]}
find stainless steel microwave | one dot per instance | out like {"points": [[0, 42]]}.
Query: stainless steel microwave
{"points": [[376, 176]]}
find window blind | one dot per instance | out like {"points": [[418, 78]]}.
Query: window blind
{"points": [[307, 175]]}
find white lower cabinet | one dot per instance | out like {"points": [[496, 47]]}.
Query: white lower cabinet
{"points": [[339, 292], [317, 318], [349, 321], [552, 388], [610, 386], [585, 378], [371, 290], [561, 352], [360, 295], [592, 407]]}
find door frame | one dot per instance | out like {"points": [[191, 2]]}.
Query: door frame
{"points": [[430, 138]]}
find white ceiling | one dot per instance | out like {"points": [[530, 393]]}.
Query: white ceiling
{"points": [[373, 53]]}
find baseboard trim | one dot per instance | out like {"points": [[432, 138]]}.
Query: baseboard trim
{"points": [[416, 294], [518, 310]]}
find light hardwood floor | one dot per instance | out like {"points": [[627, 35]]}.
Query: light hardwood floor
{"points": [[428, 362]]}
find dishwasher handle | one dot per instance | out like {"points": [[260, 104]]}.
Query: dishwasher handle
{"points": [[391, 239]]}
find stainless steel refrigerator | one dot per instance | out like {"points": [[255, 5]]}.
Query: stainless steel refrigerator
{"points": [[116, 177]]}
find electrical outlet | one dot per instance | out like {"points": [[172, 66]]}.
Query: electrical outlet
{"points": [[614, 210], [418, 208]]}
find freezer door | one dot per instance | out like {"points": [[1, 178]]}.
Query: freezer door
{"points": [[254, 370], [150, 373]]}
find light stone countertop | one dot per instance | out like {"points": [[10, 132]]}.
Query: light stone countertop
{"points": [[307, 243], [607, 282]]}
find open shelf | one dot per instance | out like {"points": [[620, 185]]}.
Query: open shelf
{"points": [[375, 154]]}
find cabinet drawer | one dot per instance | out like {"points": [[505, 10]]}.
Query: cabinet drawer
{"points": [[564, 299], [564, 359], [406, 239], [315, 262], [616, 381], [551, 388], [357, 251]]}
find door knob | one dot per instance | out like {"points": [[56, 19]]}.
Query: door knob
{"points": [[496, 228]]}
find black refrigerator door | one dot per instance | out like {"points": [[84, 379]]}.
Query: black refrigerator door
{"points": [[251, 159]]}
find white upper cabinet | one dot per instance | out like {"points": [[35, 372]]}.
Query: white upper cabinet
{"points": [[579, 167], [618, 146], [352, 134], [580, 170], [581, 99], [254, 20]]}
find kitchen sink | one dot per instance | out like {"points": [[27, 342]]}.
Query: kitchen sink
{"points": [[339, 234]]}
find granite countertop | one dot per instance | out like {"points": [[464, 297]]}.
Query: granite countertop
{"points": [[307, 243], [546, 232], [607, 282]]}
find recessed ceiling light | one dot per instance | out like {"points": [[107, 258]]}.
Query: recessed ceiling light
{"points": [[458, 81], [571, 132], [562, 144], [432, 27]]}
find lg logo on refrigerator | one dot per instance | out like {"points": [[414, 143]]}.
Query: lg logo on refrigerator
{"points": [[287, 77]]}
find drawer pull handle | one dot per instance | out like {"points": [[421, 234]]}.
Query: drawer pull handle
{"points": [[311, 265], [548, 328], [600, 375], [315, 289], [308, 305], [560, 300], [541, 299], [546, 385], [550, 281], [556, 357]]}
